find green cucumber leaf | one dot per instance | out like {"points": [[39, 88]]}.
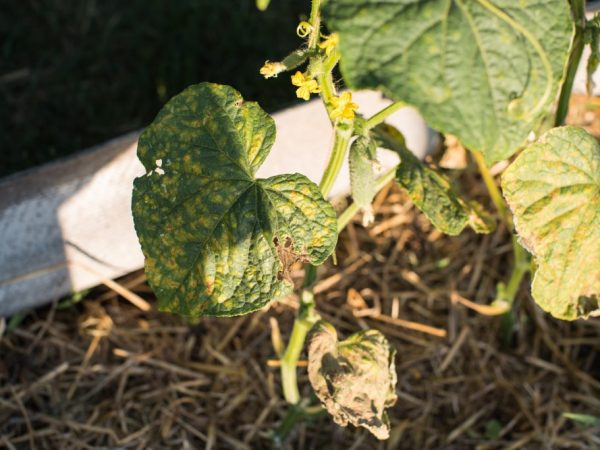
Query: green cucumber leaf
{"points": [[553, 189], [485, 71], [217, 241], [362, 161], [431, 191], [354, 379]]}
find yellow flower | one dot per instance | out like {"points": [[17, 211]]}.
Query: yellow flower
{"points": [[330, 43], [272, 69], [306, 86], [343, 106]]}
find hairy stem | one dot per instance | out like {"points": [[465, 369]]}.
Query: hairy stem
{"points": [[578, 13], [307, 315], [341, 140], [304, 321], [342, 132], [315, 22], [376, 119], [325, 79]]}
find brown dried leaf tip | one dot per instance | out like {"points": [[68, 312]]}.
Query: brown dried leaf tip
{"points": [[355, 379]]}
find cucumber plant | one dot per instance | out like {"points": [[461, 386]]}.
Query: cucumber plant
{"points": [[494, 73]]}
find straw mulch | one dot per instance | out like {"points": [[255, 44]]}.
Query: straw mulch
{"points": [[105, 374]]}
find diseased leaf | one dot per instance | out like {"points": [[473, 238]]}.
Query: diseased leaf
{"points": [[217, 241], [355, 379], [485, 71], [431, 192], [553, 189], [362, 161]]}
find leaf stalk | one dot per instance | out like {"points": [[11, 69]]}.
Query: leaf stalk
{"points": [[379, 117], [578, 13], [304, 321], [493, 190]]}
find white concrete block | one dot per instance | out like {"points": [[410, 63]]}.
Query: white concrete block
{"points": [[62, 219]]}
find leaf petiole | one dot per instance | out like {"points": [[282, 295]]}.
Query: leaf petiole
{"points": [[506, 293], [578, 12], [336, 159], [493, 190], [315, 22], [306, 318], [379, 117]]}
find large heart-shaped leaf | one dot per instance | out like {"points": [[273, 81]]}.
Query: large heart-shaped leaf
{"points": [[355, 379], [481, 70], [553, 189], [217, 241]]}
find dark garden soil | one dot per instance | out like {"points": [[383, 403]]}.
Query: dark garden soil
{"points": [[102, 374]]}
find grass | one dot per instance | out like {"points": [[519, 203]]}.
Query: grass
{"points": [[74, 73]]}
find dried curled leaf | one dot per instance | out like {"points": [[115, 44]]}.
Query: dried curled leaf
{"points": [[553, 189], [355, 379], [217, 240]]}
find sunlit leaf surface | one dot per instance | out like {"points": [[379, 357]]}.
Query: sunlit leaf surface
{"points": [[217, 241]]}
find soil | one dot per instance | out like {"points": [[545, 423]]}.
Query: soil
{"points": [[97, 372]]}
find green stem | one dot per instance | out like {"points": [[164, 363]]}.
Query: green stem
{"points": [[521, 266], [307, 315], [336, 159], [520, 269], [506, 294], [310, 275], [351, 210], [290, 359], [304, 321], [493, 190], [294, 415], [325, 80], [315, 22], [578, 13], [521, 257], [376, 119]]}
